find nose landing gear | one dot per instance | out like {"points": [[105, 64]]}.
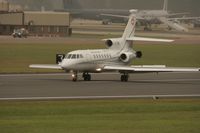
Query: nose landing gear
{"points": [[74, 77]]}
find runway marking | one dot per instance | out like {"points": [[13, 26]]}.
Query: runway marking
{"points": [[101, 97]]}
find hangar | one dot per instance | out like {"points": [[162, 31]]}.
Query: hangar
{"points": [[44, 23]]}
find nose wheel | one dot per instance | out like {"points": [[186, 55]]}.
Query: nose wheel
{"points": [[86, 77], [74, 77], [124, 77]]}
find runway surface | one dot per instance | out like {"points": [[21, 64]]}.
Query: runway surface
{"points": [[103, 85]]}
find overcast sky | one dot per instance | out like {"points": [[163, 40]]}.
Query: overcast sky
{"points": [[192, 6], [174, 5]]}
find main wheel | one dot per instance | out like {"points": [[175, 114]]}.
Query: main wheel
{"points": [[86, 77], [89, 77], [74, 79], [124, 78]]}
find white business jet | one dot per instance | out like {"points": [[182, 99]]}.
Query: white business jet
{"points": [[117, 57]]}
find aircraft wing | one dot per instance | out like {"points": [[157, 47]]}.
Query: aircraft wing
{"points": [[112, 15], [48, 66], [184, 18], [122, 16], [148, 39], [144, 69], [175, 14]]}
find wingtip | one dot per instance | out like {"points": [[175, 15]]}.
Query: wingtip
{"points": [[30, 66], [133, 11]]}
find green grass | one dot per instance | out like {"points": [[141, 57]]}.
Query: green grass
{"points": [[15, 58], [170, 55], [97, 116]]}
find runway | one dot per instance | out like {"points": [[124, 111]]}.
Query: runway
{"points": [[105, 85]]}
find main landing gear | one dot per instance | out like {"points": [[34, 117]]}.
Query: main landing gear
{"points": [[124, 77], [86, 76], [147, 27]]}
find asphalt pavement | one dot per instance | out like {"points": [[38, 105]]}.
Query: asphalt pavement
{"points": [[103, 85]]}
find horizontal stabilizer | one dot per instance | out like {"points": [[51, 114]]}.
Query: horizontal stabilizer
{"points": [[48, 66], [148, 39], [184, 18], [175, 14]]}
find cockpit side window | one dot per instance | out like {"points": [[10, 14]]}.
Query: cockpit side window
{"points": [[69, 56]]}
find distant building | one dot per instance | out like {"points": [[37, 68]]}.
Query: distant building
{"points": [[4, 6], [37, 23]]}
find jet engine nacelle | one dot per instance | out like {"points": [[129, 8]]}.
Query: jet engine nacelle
{"points": [[113, 43], [126, 57], [109, 43]]}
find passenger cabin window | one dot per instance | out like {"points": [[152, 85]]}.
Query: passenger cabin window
{"points": [[74, 56], [78, 56], [81, 56]]}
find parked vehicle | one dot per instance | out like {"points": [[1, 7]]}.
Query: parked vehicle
{"points": [[20, 33]]}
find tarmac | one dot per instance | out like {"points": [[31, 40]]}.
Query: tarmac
{"points": [[103, 85]]}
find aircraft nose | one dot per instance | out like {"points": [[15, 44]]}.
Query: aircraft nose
{"points": [[66, 64]]}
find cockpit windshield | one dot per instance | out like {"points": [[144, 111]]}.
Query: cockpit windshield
{"points": [[68, 56], [74, 56]]}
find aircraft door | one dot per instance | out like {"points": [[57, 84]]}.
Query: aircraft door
{"points": [[88, 57]]}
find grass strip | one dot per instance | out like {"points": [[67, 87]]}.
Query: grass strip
{"points": [[96, 116], [15, 58]]}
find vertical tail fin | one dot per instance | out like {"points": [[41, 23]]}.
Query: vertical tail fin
{"points": [[122, 43], [130, 27], [129, 32], [165, 6]]}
